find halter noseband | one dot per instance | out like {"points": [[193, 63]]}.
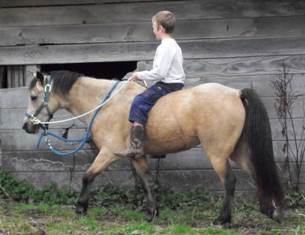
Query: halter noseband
{"points": [[48, 81]]}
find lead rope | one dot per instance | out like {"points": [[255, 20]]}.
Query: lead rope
{"points": [[82, 141]]}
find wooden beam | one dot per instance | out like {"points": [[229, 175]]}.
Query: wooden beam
{"points": [[239, 66], [141, 31], [45, 161], [39, 3], [134, 12], [105, 52]]}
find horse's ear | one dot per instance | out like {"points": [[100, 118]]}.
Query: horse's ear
{"points": [[39, 77]]}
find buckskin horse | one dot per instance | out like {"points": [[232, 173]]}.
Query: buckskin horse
{"points": [[230, 124]]}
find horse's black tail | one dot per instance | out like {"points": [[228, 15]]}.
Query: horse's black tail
{"points": [[257, 134]]}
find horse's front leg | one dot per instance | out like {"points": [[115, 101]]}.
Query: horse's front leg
{"points": [[143, 172], [101, 162]]}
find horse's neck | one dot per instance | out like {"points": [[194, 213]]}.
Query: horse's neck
{"points": [[85, 95]]}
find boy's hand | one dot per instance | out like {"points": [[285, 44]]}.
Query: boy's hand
{"points": [[134, 77]]}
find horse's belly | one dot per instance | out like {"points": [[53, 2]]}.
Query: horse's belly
{"points": [[163, 146], [169, 132]]}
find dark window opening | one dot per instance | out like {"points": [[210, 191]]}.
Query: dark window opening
{"points": [[108, 70], [3, 77], [12, 76]]}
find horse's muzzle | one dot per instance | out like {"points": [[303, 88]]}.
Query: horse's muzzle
{"points": [[30, 128]]}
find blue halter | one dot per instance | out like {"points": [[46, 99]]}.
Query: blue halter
{"points": [[82, 141]]}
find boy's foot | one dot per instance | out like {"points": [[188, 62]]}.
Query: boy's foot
{"points": [[136, 148]]}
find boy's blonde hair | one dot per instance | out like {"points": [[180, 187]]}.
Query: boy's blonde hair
{"points": [[166, 19]]}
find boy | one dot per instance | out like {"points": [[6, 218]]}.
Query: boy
{"points": [[167, 71]]}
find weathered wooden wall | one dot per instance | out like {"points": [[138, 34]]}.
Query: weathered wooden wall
{"points": [[235, 42]]}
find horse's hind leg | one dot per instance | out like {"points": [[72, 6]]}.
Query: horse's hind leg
{"points": [[228, 179], [101, 162], [218, 156], [141, 167]]}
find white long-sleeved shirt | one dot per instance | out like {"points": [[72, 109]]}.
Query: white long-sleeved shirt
{"points": [[167, 65]]}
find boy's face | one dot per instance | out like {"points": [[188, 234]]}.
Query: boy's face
{"points": [[158, 30]]}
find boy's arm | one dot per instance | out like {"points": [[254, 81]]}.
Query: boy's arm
{"points": [[161, 65]]}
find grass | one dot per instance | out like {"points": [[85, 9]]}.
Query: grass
{"points": [[28, 218], [50, 211]]}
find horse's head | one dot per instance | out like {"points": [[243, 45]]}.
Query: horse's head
{"points": [[42, 102]]}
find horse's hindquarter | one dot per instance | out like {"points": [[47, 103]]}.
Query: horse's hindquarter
{"points": [[208, 112]]}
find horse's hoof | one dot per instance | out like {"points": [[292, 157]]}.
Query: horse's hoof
{"points": [[278, 215], [81, 209], [150, 216], [222, 220]]}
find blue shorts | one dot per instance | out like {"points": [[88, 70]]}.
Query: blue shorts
{"points": [[143, 102]]}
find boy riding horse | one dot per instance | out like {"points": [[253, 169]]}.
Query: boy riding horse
{"points": [[168, 74]]}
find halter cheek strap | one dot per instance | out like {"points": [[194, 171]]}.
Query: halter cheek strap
{"points": [[48, 81]]}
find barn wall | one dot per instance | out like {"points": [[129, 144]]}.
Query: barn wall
{"points": [[237, 43]]}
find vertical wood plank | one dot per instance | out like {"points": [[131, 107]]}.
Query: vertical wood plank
{"points": [[16, 75], [1, 76], [9, 76], [19, 71], [21, 76]]}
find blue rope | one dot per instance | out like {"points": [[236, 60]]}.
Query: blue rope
{"points": [[82, 141]]}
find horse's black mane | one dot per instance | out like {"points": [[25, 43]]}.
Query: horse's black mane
{"points": [[62, 81]]}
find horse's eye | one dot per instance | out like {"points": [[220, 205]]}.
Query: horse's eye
{"points": [[34, 98]]}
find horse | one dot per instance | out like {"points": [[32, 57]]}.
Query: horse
{"points": [[230, 125]]}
